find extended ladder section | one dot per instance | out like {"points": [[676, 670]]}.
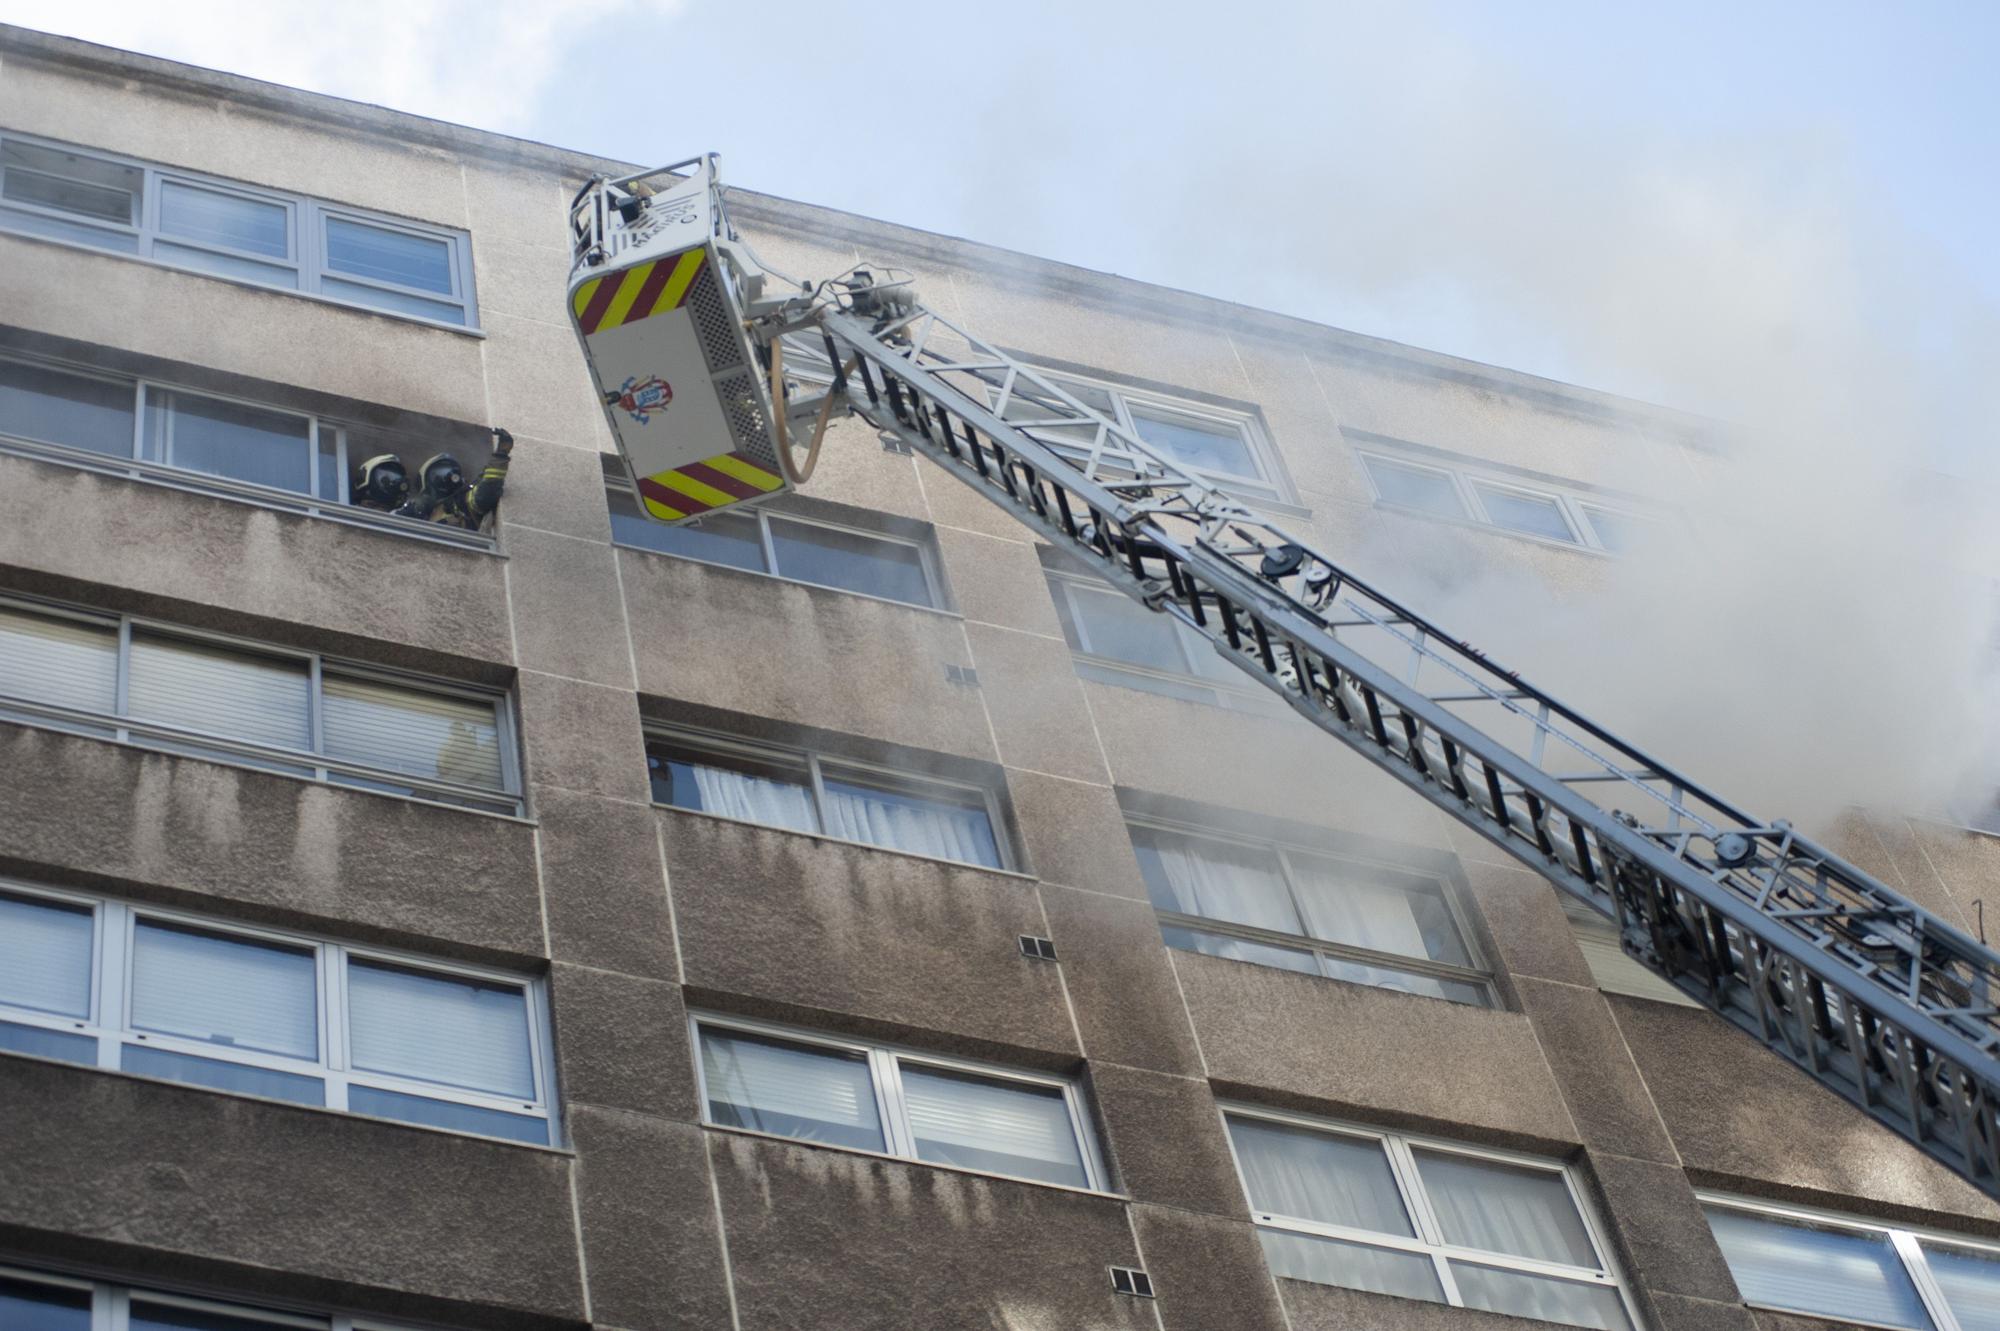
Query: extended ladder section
{"points": [[1862, 989]]}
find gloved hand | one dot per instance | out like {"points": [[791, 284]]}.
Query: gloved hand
{"points": [[503, 443]]}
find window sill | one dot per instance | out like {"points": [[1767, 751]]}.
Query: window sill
{"points": [[755, 1135], [165, 478], [939, 611], [463, 330], [294, 1105], [843, 841]]}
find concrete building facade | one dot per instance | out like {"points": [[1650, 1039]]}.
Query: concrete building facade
{"points": [[852, 917]]}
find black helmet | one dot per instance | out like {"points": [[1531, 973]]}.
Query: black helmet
{"points": [[382, 479], [441, 475]]}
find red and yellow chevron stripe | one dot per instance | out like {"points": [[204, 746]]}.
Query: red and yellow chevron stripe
{"points": [[627, 297], [699, 487]]}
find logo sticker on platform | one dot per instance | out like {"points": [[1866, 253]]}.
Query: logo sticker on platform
{"points": [[640, 398]]}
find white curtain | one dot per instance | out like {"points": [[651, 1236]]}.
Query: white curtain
{"points": [[823, 1096], [58, 661], [440, 1028], [756, 799], [265, 700], [1343, 907], [1505, 1208], [1326, 1261], [45, 956], [1539, 1297], [233, 992], [910, 822], [1216, 879], [1003, 1127], [1971, 1283], [1848, 1275], [1321, 1176]]}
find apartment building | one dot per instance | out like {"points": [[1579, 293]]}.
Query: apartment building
{"points": [[849, 915]]}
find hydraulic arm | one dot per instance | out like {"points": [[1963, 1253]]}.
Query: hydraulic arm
{"points": [[1829, 968]]}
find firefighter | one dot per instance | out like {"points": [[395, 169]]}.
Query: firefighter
{"points": [[380, 483], [448, 500]]}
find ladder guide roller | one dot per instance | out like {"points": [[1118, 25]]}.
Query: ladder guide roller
{"points": [[1865, 991]]}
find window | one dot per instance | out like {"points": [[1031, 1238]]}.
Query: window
{"points": [[1424, 1220], [1218, 444], [266, 237], [1118, 641], [44, 1301], [893, 568], [808, 792], [1307, 911], [897, 1102], [1856, 1271], [1524, 509], [120, 986], [1615, 970], [143, 683], [158, 432]]}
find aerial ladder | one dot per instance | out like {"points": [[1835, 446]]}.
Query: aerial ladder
{"points": [[719, 380]]}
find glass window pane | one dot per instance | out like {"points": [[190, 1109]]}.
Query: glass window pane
{"points": [[946, 825], [70, 182], [220, 438], [1415, 487], [45, 1043], [1323, 1176], [398, 257], [1970, 1279], [232, 991], [1002, 1127], [1505, 1208], [226, 265], [1616, 532], [1239, 949], [1195, 444], [1324, 1261], [147, 1316], [1346, 903], [771, 793], [221, 1075], [27, 1305], [1110, 624], [408, 730], [45, 955], [1522, 1295], [1219, 879], [449, 1029], [233, 221], [1846, 1274], [730, 539], [57, 407], [447, 1114], [850, 561], [63, 662], [819, 1095], [261, 699], [1537, 515]]}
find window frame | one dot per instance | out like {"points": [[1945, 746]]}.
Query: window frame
{"points": [[1399, 1151], [884, 1062], [926, 550], [1905, 1240], [814, 761], [1575, 505], [306, 235], [111, 1303], [113, 951], [1478, 975], [134, 465], [314, 765], [1270, 483]]}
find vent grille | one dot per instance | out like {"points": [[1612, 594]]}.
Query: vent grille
{"points": [[745, 415], [1131, 1280], [721, 340], [1041, 949]]}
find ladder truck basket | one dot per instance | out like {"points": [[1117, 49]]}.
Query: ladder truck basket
{"points": [[657, 302]]}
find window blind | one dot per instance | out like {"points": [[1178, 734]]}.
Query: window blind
{"points": [[1848, 1275], [440, 1028], [980, 1123], [820, 1095], [62, 662], [1971, 1283], [45, 956], [229, 991], [404, 730], [264, 700]]}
